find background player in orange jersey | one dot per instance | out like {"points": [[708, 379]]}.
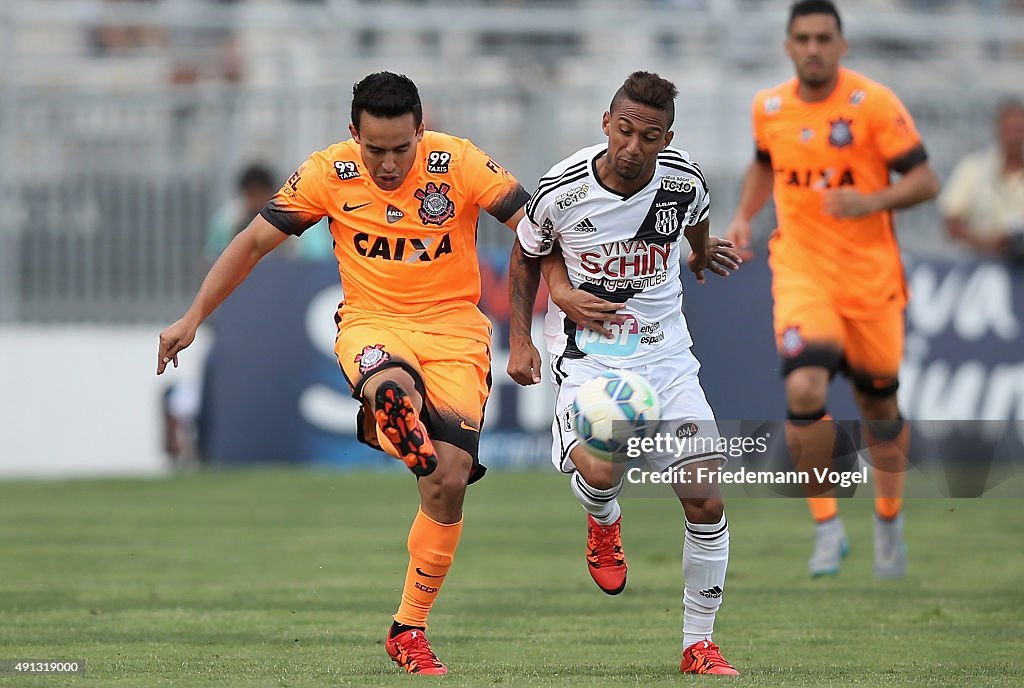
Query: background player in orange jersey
{"points": [[403, 205], [826, 143]]}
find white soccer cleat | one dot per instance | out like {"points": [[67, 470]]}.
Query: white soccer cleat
{"points": [[890, 550], [830, 547]]}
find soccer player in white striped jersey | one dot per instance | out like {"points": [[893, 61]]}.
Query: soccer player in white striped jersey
{"points": [[615, 214]]}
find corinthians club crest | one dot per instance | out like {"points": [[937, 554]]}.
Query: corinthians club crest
{"points": [[840, 136], [371, 357], [435, 206]]}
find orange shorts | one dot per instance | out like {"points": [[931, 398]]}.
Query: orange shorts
{"points": [[810, 331], [453, 374]]}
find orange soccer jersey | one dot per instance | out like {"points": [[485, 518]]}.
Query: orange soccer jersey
{"points": [[408, 256], [854, 138]]}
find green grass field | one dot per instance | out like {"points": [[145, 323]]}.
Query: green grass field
{"points": [[288, 578]]}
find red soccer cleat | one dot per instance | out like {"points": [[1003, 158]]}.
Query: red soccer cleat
{"points": [[704, 657], [605, 559], [397, 417], [411, 651]]}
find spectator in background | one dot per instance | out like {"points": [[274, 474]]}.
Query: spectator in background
{"points": [[181, 410], [983, 202], [256, 185], [120, 38]]}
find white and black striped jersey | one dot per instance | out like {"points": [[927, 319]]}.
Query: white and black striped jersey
{"points": [[624, 249]]}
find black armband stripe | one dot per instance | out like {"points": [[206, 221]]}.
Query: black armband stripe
{"points": [[909, 160], [290, 222], [509, 204]]}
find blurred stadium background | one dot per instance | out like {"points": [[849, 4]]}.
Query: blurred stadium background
{"points": [[123, 127], [124, 123]]}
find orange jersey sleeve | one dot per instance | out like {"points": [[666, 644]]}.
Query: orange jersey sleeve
{"points": [[763, 101], [894, 131], [299, 204], [407, 257], [852, 139], [490, 185]]}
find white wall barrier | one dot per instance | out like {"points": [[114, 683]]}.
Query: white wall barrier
{"points": [[83, 401]]}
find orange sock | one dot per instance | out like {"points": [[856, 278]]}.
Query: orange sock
{"points": [[890, 465], [432, 548], [811, 446], [823, 508]]}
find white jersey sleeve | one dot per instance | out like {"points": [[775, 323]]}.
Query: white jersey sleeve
{"points": [[536, 238], [538, 230], [679, 161]]}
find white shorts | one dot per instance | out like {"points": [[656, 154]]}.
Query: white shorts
{"points": [[685, 412]]}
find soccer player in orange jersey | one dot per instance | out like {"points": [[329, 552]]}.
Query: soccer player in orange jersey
{"points": [[826, 144], [403, 205]]}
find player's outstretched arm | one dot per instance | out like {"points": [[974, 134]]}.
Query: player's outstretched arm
{"points": [[523, 281], [754, 193], [230, 269]]}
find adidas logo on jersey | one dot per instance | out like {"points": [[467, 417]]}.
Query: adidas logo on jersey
{"points": [[712, 593], [585, 226]]}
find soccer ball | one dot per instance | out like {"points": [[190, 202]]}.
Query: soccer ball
{"points": [[613, 408]]}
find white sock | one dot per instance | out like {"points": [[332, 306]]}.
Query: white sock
{"points": [[601, 504], [705, 559]]}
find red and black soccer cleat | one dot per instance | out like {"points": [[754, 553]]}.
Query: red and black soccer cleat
{"points": [[605, 558], [397, 417], [411, 651], [704, 657]]}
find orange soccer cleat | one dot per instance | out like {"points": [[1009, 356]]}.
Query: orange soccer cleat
{"points": [[411, 651], [397, 417], [704, 657], [605, 558]]}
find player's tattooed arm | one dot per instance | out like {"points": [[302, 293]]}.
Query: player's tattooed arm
{"points": [[523, 281]]}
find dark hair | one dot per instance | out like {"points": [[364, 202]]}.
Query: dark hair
{"points": [[256, 175], [649, 89], [385, 94], [806, 7]]}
